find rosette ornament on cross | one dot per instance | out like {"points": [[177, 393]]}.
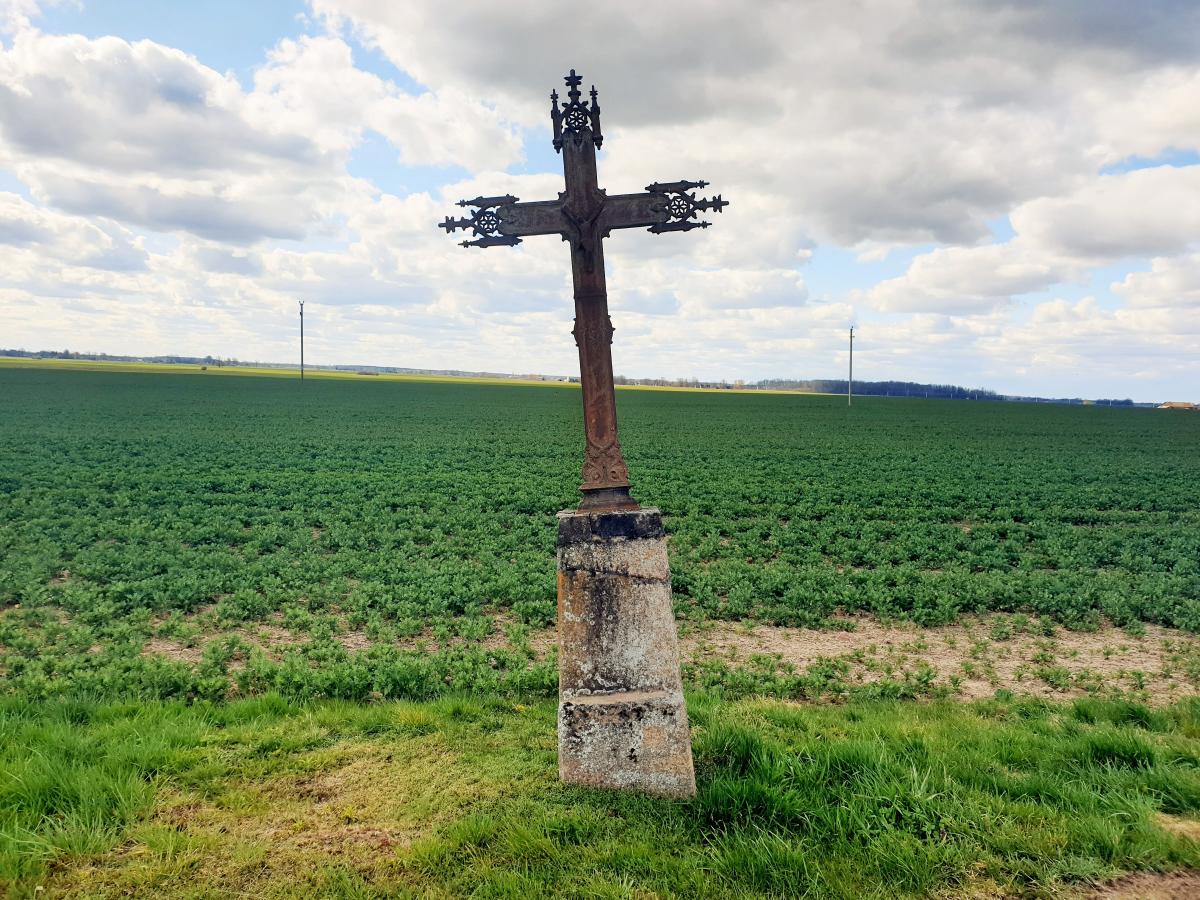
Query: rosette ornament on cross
{"points": [[583, 215]]}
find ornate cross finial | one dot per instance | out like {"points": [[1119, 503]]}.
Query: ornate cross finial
{"points": [[484, 222], [575, 115], [682, 206]]}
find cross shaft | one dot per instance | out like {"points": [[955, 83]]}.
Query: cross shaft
{"points": [[584, 215]]}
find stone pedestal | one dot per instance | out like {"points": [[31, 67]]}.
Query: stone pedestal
{"points": [[622, 722]]}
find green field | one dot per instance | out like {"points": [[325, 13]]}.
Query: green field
{"points": [[387, 506], [396, 537]]}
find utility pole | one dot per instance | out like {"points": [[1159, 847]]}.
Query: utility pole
{"points": [[301, 340], [850, 380]]}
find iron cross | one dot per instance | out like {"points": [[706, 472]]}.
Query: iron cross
{"points": [[584, 215]]}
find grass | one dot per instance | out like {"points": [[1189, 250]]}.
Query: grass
{"points": [[458, 796], [144, 507]]}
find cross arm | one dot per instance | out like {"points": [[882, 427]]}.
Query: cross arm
{"points": [[633, 211], [671, 206], [483, 222], [536, 217], [683, 205], [503, 221]]}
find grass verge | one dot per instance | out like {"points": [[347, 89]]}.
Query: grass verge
{"points": [[458, 796]]}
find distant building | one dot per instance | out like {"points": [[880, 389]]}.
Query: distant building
{"points": [[1177, 404]]}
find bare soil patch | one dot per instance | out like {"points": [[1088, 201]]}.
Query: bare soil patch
{"points": [[173, 650], [1150, 886], [271, 636], [976, 657]]}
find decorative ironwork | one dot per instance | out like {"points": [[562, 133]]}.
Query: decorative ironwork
{"points": [[683, 207], [484, 222], [575, 115], [584, 215], [604, 467]]}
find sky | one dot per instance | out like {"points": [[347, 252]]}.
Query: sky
{"points": [[995, 194]]}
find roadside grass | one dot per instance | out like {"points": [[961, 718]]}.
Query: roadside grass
{"points": [[458, 796]]}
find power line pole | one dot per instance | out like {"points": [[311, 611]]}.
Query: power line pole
{"points": [[301, 340], [850, 380]]}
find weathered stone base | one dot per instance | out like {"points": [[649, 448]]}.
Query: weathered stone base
{"points": [[636, 740], [622, 722]]}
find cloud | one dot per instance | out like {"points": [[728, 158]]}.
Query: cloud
{"points": [[149, 136], [879, 123], [222, 260], [1165, 30], [146, 135], [489, 52], [33, 236], [312, 86], [18, 15], [1094, 343], [132, 108], [1139, 213], [966, 280], [1105, 219], [166, 207], [1149, 115], [1172, 284]]}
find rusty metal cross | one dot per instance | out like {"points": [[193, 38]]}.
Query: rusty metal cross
{"points": [[584, 215]]}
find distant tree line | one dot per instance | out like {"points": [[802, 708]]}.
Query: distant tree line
{"points": [[918, 389], [680, 382], [109, 357], [881, 388]]}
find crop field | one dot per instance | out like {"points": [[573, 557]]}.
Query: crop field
{"points": [[136, 506], [197, 569]]}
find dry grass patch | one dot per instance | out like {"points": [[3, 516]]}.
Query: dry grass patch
{"points": [[1188, 828], [285, 820]]}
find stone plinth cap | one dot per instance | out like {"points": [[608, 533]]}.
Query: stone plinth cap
{"points": [[576, 527]]}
